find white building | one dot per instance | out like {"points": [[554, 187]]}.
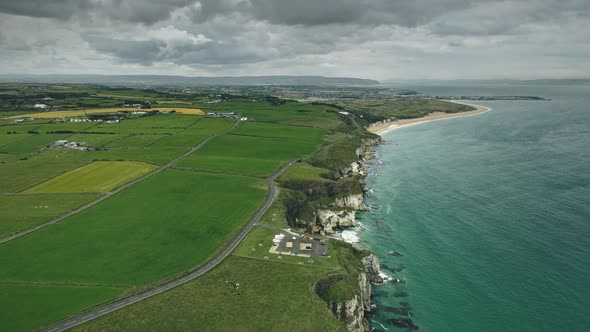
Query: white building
{"points": [[40, 106]]}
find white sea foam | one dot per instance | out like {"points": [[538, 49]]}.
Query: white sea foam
{"points": [[350, 236]]}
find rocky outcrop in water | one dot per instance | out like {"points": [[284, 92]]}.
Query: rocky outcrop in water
{"points": [[371, 264]]}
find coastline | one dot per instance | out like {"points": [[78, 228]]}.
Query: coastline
{"points": [[382, 128]]}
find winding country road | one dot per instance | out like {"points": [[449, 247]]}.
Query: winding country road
{"points": [[210, 264], [116, 191]]}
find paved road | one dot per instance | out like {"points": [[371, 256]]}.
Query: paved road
{"points": [[231, 246], [116, 191]]}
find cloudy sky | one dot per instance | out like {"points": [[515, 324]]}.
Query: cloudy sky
{"points": [[380, 39]]}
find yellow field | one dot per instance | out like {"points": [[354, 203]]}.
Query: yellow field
{"points": [[99, 176], [76, 113]]}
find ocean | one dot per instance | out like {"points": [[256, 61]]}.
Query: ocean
{"points": [[486, 219]]}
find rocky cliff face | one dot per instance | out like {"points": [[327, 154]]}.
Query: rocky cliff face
{"points": [[353, 312], [371, 264], [351, 201], [328, 220]]}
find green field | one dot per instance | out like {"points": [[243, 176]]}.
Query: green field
{"points": [[231, 165], [21, 174], [94, 140], [247, 155], [135, 141], [304, 171], [272, 297], [32, 143], [19, 212], [28, 307], [99, 176], [5, 139], [160, 227]]}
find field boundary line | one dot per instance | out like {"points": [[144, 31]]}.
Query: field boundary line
{"points": [[102, 310], [117, 190]]}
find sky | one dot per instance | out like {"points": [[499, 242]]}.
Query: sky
{"points": [[377, 39]]}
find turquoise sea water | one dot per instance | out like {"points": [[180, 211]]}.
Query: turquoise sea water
{"points": [[491, 214]]}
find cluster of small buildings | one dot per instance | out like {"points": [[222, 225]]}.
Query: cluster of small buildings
{"points": [[214, 101], [81, 146], [21, 120], [221, 115], [277, 239]]}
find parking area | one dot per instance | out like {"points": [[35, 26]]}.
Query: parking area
{"points": [[287, 243]]}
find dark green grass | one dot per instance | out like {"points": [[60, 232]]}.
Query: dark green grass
{"points": [[20, 174], [272, 297], [270, 130], [66, 126], [160, 227], [32, 144], [19, 212], [262, 111], [194, 134], [326, 123], [114, 128], [256, 147], [242, 166], [94, 140], [27, 307], [156, 121], [304, 171], [135, 141], [6, 139], [21, 128], [159, 155]]}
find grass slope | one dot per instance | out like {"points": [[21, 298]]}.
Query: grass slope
{"points": [[40, 305], [272, 297]]}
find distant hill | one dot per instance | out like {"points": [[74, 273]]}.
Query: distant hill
{"points": [[548, 81], [151, 80]]}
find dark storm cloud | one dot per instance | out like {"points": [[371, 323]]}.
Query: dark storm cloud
{"points": [[44, 8], [147, 52], [314, 12], [124, 10], [142, 52]]}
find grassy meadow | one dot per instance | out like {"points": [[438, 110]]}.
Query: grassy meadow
{"points": [[271, 297], [28, 307], [158, 228], [98, 176], [18, 212]]}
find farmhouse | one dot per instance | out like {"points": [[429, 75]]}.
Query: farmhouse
{"points": [[221, 115], [40, 106]]}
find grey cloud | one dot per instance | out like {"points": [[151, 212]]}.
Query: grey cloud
{"points": [[43, 8], [324, 12], [139, 11], [142, 52], [149, 51]]}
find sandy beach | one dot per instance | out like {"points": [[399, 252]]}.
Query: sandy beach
{"points": [[382, 128]]}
